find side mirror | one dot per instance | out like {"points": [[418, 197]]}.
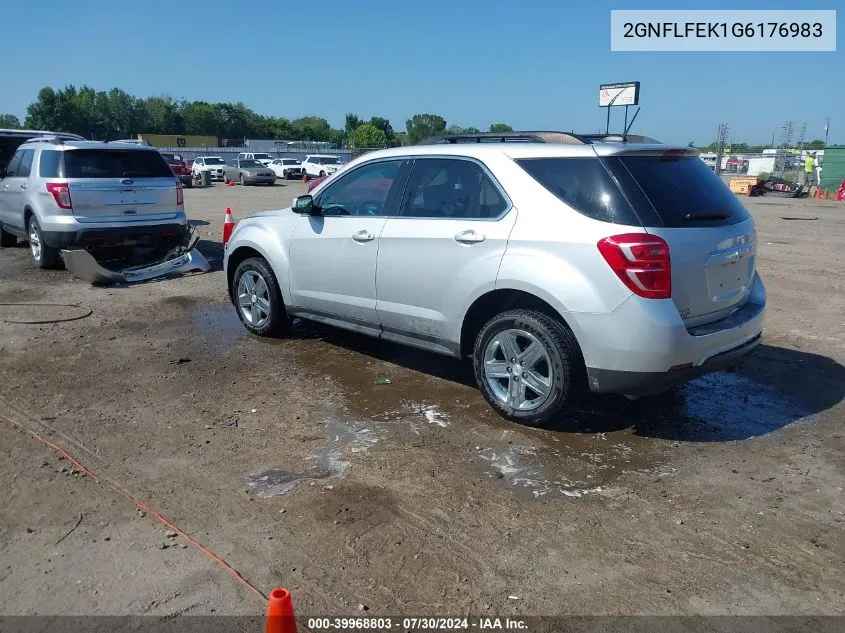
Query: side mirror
{"points": [[304, 205]]}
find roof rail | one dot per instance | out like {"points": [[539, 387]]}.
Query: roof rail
{"points": [[571, 138], [505, 137]]}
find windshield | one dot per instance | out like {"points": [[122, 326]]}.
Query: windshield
{"points": [[262, 156], [250, 163], [331, 160], [214, 161], [290, 162]]}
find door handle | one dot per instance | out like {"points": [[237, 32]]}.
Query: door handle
{"points": [[470, 237], [363, 236]]}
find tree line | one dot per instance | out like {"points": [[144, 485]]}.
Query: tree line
{"points": [[116, 114]]}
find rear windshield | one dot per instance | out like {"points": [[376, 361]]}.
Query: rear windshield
{"points": [[585, 185], [684, 191], [115, 163]]}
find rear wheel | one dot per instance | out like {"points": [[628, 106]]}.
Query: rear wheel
{"points": [[6, 238], [45, 256], [258, 299], [241, 179], [528, 366]]}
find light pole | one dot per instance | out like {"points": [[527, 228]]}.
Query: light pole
{"points": [[826, 129]]}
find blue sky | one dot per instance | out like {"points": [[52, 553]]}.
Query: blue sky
{"points": [[534, 65]]}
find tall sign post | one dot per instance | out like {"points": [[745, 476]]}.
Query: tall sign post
{"points": [[621, 94]]}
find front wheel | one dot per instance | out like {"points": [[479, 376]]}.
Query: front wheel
{"points": [[528, 366], [258, 299], [45, 256], [241, 179]]}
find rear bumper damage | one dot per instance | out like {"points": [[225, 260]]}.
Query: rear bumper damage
{"points": [[186, 258]]}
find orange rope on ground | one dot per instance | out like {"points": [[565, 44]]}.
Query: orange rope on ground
{"points": [[140, 505]]}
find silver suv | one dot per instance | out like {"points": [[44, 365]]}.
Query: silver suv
{"points": [[68, 194], [558, 264]]}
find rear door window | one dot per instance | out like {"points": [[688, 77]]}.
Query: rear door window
{"points": [[14, 165], [683, 190], [114, 163], [585, 185], [26, 163]]}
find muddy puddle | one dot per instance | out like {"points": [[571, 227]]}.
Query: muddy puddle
{"points": [[327, 462], [407, 393]]}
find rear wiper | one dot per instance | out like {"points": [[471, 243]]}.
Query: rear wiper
{"points": [[707, 215]]}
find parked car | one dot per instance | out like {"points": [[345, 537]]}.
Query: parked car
{"points": [[315, 183], [248, 172], [212, 164], [264, 159], [287, 168], [64, 194], [628, 269], [180, 169], [10, 140], [321, 165]]}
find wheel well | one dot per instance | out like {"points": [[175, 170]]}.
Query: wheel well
{"points": [[27, 213], [495, 302], [238, 255]]}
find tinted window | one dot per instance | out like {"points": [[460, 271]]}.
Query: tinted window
{"points": [[14, 164], [250, 163], [214, 161], [290, 162], [448, 188], [26, 163], [680, 188], [363, 191], [114, 163], [172, 159], [583, 184], [49, 165], [329, 161]]}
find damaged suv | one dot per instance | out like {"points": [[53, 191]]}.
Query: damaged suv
{"points": [[559, 263], [85, 195]]}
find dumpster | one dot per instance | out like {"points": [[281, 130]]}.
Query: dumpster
{"points": [[206, 178]]}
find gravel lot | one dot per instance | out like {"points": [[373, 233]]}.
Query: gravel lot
{"points": [[724, 497]]}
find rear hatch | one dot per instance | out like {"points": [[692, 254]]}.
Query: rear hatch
{"points": [[712, 238], [120, 185]]}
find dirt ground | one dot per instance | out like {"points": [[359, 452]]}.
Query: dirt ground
{"points": [[289, 462]]}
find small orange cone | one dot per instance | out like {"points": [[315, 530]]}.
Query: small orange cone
{"points": [[228, 226], [230, 184], [818, 193], [827, 193], [280, 618]]}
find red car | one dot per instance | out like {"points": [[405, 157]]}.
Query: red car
{"points": [[177, 164]]}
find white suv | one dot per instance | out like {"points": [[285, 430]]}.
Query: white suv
{"points": [[263, 158], [213, 164], [321, 165], [559, 265]]}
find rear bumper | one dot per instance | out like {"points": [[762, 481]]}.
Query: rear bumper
{"points": [[648, 383], [634, 349], [107, 237]]}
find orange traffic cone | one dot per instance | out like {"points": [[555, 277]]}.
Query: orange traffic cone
{"points": [[818, 193], [305, 178], [228, 226], [827, 193], [280, 618], [230, 184]]}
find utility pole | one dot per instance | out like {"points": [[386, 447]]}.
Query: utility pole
{"points": [[721, 138], [826, 129]]}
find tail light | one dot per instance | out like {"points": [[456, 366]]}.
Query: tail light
{"points": [[61, 194], [180, 194], [641, 261]]}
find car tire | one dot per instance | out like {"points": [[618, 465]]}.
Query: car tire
{"points": [[241, 179], [45, 256], [190, 184], [557, 367], [271, 183], [7, 239], [277, 321], [284, 174]]}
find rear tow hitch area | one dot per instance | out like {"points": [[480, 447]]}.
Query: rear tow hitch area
{"points": [[182, 259]]}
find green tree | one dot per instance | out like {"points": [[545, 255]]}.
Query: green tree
{"points": [[421, 126], [500, 127], [200, 118], [815, 144], [384, 125], [366, 136], [691, 144], [400, 139], [10, 121], [353, 122]]}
